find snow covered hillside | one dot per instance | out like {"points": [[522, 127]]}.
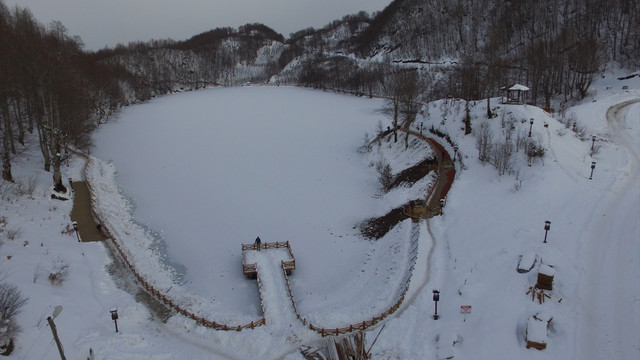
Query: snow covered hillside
{"points": [[200, 173], [490, 221]]}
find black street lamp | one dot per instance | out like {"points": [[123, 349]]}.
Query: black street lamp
{"points": [[441, 206], [547, 226], [455, 152], [593, 166], [530, 126], [75, 228], [114, 317], [593, 141], [436, 298]]}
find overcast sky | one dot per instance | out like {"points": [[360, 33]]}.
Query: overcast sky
{"points": [[103, 23]]}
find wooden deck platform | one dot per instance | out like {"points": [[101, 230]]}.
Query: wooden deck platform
{"points": [[250, 270]]}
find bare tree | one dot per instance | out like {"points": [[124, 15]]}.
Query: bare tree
{"points": [[402, 104], [501, 157], [11, 303], [484, 141], [5, 89], [385, 175]]}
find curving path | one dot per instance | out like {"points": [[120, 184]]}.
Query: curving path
{"points": [[609, 316], [430, 206], [81, 213], [273, 307], [446, 172]]}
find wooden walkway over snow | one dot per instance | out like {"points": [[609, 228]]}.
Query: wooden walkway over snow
{"points": [[249, 267]]}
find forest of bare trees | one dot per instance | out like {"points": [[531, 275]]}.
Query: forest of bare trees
{"points": [[555, 47], [49, 88], [412, 51]]}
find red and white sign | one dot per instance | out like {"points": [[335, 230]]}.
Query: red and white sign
{"points": [[465, 309]]}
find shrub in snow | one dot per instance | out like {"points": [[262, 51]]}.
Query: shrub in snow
{"points": [[501, 157], [13, 234], [442, 135], [484, 141], [385, 176], [11, 302], [595, 150], [366, 145], [26, 188], [534, 150], [59, 272], [570, 121]]}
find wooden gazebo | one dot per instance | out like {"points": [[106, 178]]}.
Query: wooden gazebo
{"points": [[514, 94]]}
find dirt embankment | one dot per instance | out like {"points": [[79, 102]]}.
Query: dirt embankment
{"points": [[375, 228]]}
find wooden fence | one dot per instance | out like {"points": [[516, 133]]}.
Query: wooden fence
{"points": [[286, 267], [159, 296], [361, 326], [250, 269]]}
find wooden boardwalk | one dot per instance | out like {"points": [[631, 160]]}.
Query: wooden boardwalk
{"points": [[250, 269], [81, 213], [432, 205]]}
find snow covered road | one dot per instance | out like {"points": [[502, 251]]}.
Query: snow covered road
{"points": [[608, 327]]}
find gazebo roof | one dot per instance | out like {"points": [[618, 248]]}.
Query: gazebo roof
{"points": [[515, 87]]}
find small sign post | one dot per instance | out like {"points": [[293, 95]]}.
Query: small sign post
{"points": [[465, 309], [114, 317]]}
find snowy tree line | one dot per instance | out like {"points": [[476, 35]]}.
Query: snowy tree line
{"points": [[465, 49], [555, 47], [48, 86]]}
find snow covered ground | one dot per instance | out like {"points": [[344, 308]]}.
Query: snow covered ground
{"points": [[213, 169], [489, 221]]}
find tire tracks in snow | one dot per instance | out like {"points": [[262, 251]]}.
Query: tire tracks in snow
{"points": [[606, 314], [440, 189]]}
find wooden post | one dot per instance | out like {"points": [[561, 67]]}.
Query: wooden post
{"points": [[55, 337]]}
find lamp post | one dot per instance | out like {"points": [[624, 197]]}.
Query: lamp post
{"points": [[436, 298], [593, 141], [455, 152], [441, 206], [593, 166], [75, 228], [421, 127], [530, 126], [547, 226], [114, 317]]}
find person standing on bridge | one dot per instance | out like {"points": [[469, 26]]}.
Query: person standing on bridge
{"points": [[258, 241]]}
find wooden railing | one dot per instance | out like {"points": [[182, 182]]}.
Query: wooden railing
{"points": [[159, 296], [286, 267], [361, 326], [251, 268]]}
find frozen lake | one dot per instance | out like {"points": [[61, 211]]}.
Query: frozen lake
{"points": [[212, 169]]}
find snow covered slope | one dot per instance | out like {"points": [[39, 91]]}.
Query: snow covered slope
{"points": [[470, 254]]}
